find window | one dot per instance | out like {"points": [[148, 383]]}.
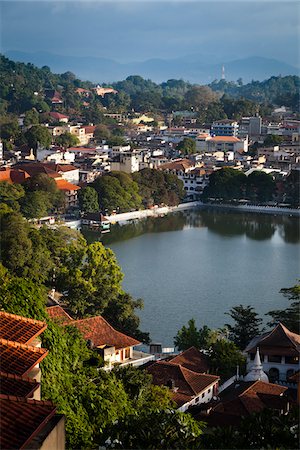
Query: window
{"points": [[274, 358], [196, 399], [203, 395], [127, 352], [273, 374], [291, 359], [208, 391]]}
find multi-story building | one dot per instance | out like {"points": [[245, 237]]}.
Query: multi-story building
{"points": [[225, 127], [128, 162], [250, 126], [279, 350]]}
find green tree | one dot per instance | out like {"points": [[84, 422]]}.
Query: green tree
{"points": [[38, 134], [67, 140], [120, 313], [36, 204], [90, 277], [155, 429], [16, 246], [227, 184], [260, 186], [191, 336], [43, 183], [187, 146], [290, 316], [224, 357], [273, 139], [31, 117], [115, 141], [199, 97], [11, 194], [246, 325], [88, 199], [102, 133]]}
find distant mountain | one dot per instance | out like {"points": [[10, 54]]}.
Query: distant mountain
{"points": [[193, 68]]}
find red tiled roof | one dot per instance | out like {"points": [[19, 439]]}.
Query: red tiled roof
{"points": [[58, 313], [180, 164], [13, 175], [15, 385], [100, 332], [187, 383], [60, 167], [18, 328], [56, 115], [278, 341], [64, 185], [21, 420], [82, 150], [225, 139], [36, 168], [245, 398], [191, 359], [89, 129], [19, 359]]}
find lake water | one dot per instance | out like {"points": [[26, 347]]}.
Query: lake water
{"points": [[198, 264]]}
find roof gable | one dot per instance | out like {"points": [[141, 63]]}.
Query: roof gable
{"points": [[280, 339], [192, 359], [19, 359], [18, 328]]}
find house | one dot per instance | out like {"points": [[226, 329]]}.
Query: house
{"points": [[25, 421], [59, 117], [115, 347], [279, 351], [71, 192], [195, 181], [188, 387], [206, 143], [241, 399], [178, 166], [128, 162], [102, 91], [96, 221], [67, 171], [54, 96]]}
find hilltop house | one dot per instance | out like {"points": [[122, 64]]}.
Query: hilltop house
{"points": [[115, 347]]}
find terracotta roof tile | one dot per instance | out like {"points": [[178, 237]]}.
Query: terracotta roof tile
{"points": [[187, 383], [64, 185], [15, 385], [21, 420], [192, 359], [20, 329], [225, 139], [100, 332], [19, 359], [278, 341], [58, 313]]}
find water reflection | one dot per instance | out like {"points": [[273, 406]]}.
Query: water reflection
{"points": [[253, 226]]}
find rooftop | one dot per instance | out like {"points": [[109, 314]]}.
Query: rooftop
{"points": [[21, 420], [19, 359], [15, 385], [64, 185], [280, 340], [58, 313], [191, 359], [18, 328], [100, 332], [187, 383]]}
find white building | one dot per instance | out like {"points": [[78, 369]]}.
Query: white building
{"points": [[225, 127], [279, 350], [128, 162]]}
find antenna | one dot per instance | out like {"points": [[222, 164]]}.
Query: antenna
{"points": [[223, 72]]}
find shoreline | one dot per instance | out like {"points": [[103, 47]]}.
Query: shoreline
{"points": [[125, 217]]}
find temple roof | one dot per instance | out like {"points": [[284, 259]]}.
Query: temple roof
{"points": [[278, 341]]}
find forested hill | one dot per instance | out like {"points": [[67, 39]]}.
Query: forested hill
{"points": [[22, 87]]}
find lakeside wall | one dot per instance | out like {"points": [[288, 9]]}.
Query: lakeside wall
{"points": [[198, 204], [154, 212]]}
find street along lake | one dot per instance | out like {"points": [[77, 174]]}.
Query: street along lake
{"points": [[198, 264]]}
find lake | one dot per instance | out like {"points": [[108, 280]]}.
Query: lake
{"points": [[199, 263]]}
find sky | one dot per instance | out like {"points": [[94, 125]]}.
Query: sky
{"points": [[138, 30]]}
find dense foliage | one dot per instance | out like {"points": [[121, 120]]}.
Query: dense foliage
{"points": [[231, 184], [290, 316], [246, 325]]}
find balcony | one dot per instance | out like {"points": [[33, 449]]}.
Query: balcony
{"points": [[138, 359]]}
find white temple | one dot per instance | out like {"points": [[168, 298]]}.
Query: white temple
{"points": [[256, 373]]}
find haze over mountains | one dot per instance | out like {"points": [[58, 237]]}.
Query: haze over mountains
{"points": [[194, 68]]}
